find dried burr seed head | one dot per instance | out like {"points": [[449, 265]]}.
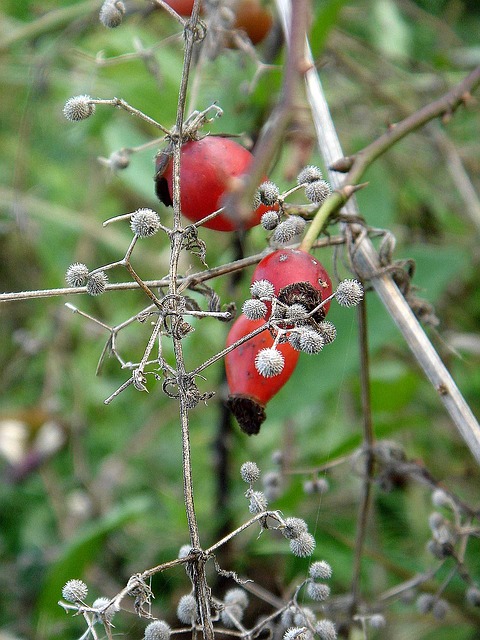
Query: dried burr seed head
{"points": [[78, 108]]}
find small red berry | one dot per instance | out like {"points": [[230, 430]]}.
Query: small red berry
{"points": [[249, 390], [207, 167], [182, 7], [297, 277]]}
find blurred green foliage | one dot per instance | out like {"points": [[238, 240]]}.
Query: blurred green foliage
{"points": [[108, 501]]}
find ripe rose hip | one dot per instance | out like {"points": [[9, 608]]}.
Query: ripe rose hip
{"points": [[249, 391], [182, 7], [207, 167], [297, 277]]}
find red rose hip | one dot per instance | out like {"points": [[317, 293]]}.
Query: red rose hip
{"points": [[297, 277], [250, 391], [207, 167]]}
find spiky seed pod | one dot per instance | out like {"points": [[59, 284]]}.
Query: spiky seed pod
{"points": [[111, 13], [284, 232], [309, 174], [299, 224], [104, 613], [96, 283], [119, 160], [311, 342], [272, 485], [258, 502], [145, 223], [425, 602], [441, 499], [435, 520], [303, 617], [286, 619], [77, 275], [377, 621], [269, 220], [184, 551], [236, 596], [294, 340], [296, 312], [254, 309], [318, 485], [78, 108], [296, 633], [75, 591], [269, 193], [250, 472], [262, 289], [294, 527], [318, 191], [325, 630], [232, 614], [187, 609], [440, 609], [320, 570], [318, 591], [349, 293], [256, 201], [269, 362], [473, 596], [328, 331], [157, 630], [303, 546]]}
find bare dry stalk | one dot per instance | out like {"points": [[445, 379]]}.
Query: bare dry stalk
{"points": [[366, 258]]}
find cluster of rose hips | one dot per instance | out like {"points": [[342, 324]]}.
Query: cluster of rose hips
{"points": [[291, 293]]}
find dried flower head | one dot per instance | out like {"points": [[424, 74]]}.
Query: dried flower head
{"points": [[318, 591], [104, 610], [473, 596], [75, 591], [303, 546], [317, 485], [145, 222], [285, 231], [157, 630], [269, 220], [187, 609], [328, 331], [111, 13], [296, 633], [269, 193], [78, 108], [258, 502], [231, 615], [262, 289], [294, 340], [311, 342], [309, 174], [349, 293], [77, 275], [294, 527], [254, 309], [325, 630], [269, 362], [318, 191], [320, 570], [425, 602], [440, 609], [250, 472], [236, 596], [296, 312], [96, 283], [377, 621], [119, 160]]}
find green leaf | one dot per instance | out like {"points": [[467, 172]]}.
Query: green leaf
{"points": [[78, 553]]}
